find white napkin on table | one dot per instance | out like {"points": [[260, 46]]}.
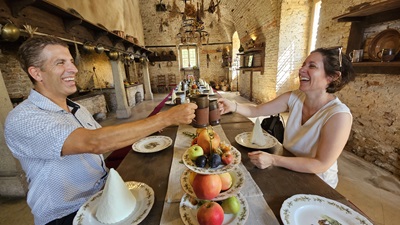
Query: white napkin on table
{"points": [[116, 202], [173, 97], [257, 136]]}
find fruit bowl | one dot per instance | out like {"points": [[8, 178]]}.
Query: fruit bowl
{"points": [[188, 210], [237, 184], [208, 170]]}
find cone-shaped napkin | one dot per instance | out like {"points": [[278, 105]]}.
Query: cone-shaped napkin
{"points": [[173, 97], [257, 136], [117, 201], [211, 91]]}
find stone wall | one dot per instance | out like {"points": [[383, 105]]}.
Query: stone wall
{"points": [[372, 98]]}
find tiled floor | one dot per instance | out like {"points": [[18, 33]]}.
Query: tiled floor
{"points": [[375, 191]]}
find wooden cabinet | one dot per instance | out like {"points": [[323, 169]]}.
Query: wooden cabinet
{"points": [[363, 17], [252, 59]]}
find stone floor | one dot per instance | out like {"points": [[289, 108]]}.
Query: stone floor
{"points": [[372, 189]]}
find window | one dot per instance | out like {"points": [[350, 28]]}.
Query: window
{"points": [[314, 27], [188, 56]]}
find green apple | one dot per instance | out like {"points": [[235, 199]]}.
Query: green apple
{"points": [[231, 205], [195, 151]]}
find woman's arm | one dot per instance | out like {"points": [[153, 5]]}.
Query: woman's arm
{"points": [[272, 107], [333, 138]]}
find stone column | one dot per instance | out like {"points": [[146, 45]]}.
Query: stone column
{"points": [[146, 80], [12, 177], [123, 110]]}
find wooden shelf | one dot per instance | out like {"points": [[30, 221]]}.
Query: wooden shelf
{"points": [[390, 8], [377, 67], [363, 17], [256, 55], [71, 19]]}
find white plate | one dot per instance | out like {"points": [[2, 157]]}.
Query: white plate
{"points": [[309, 209], [144, 202], [188, 212], [237, 157], [243, 139], [152, 144], [237, 184]]}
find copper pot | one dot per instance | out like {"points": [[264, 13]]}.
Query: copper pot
{"points": [[10, 32], [99, 48], [113, 55], [88, 47]]}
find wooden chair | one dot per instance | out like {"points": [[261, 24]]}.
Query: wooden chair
{"points": [[171, 81], [161, 83]]}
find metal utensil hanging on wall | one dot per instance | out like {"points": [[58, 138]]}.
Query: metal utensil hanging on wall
{"points": [[77, 54]]}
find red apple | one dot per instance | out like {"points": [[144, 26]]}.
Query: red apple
{"points": [[194, 141], [226, 181], [210, 213], [227, 158], [207, 186], [192, 175], [208, 139]]}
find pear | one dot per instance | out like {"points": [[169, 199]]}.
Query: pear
{"points": [[231, 205]]}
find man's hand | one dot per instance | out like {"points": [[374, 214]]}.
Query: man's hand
{"points": [[181, 114]]}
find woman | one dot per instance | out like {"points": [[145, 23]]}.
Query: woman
{"points": [[318, 125]]}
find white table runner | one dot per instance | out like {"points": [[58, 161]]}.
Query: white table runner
{"points": [[260, 213]]}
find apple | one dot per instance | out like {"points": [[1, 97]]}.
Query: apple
{"points": [[227, 158], [210, 213], [226, 181], [195, 151], [209, 140], [225, 147], [207, 186], [231, 205], [194, 141], [192, 175]]}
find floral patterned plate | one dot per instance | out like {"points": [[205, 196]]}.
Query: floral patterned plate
{"points": [[313, 209], [237, 157], [144, 202], [188, 210], [152, 144], [244, 138], [237, 184]]}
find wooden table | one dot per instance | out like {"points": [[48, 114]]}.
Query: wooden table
{"points": [[277, 184]]}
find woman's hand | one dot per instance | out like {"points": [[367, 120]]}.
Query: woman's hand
{"points": [[226, 106], [261, 159]]}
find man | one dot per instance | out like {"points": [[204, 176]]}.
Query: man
{"points": [[57, 141]]}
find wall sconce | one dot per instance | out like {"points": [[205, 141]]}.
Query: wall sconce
{"points": [[251, 43]]}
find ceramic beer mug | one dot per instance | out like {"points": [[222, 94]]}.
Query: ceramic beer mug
{"points": [[202, 113], [356, 55], [214, 116]]}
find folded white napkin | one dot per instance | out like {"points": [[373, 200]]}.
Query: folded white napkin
{"points": [[211, 91], [117, 201], [173, 96], [257, 136]]}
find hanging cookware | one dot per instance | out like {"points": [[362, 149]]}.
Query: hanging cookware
{"points": [[88, 47], [10, 32], [113, 55], [99, 48]]}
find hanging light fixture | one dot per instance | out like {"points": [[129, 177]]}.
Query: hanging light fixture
{"points": [[192, 28]]}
